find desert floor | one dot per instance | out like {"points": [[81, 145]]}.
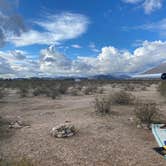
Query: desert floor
{"points": [[112, 140]]}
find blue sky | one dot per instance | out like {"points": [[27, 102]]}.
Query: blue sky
{"points": [[81, 37]]}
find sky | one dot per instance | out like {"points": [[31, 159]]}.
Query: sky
{"points": [[50, 38]]}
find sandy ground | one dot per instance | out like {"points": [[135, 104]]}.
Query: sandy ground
{"points": [[101, 141]]}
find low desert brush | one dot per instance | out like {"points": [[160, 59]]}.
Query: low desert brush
{"points": [[146, 112], [122, 98]]}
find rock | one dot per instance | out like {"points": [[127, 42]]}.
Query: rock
{"points": [[131, 119], [15, 125], [138, 126], [145, 126], [63, 131]]}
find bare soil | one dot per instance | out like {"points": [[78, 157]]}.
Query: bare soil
{"points": [[101, 140]]}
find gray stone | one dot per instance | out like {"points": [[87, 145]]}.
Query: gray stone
{"points": [[16, 125], [63, 130]]}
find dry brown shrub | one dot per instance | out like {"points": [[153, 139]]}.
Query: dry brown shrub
{"points": [[102, 105], [122, 98], [146, 112]]}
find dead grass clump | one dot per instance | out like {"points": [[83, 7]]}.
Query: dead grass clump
{"points": [[102, 105], [122, 98], [146, 112], [162, 88]]}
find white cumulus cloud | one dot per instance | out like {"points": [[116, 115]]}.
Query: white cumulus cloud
{"points": [[110, 60], [17, 63], [55, 28]]}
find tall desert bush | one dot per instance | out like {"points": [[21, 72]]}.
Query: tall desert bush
{"points": [[102, 104]]}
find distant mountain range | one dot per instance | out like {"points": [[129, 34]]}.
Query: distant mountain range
{"points": [[110, 77], [117, 76], [159, 69]]}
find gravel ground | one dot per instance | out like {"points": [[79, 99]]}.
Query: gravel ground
{"points": [[101, 141]]}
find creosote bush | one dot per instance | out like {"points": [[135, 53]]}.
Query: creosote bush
{"points": [[102, 105], [122, 98], [146, 112]]}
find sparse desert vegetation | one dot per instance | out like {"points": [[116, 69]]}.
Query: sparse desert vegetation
{"points": [[162, 88], [31, 102], [147, 112], [122, 97], [102, 105]]}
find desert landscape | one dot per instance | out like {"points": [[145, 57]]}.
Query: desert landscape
{"points": [[109, 130], [82, 83]]}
